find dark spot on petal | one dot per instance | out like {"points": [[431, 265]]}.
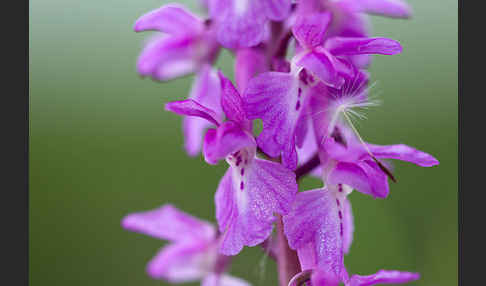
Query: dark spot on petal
{"points": [[340, 215], [303, 76], [297, 106], [338, 137], [242, 171], [242, 185]]}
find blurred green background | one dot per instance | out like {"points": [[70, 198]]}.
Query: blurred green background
{"points": [[101, 146]]}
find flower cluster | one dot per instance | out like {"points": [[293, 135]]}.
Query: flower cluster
{"points": [[300, 68]]}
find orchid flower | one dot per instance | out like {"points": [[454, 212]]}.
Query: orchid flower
{"points": [[320, 228], [280, 99], [252, 189], [192, 253], [345, 157]]}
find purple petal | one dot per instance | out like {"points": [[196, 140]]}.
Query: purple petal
{"points": [[190, 107], [347, 151], [352, 175], [206, 90], [240, 22], [390, 8], [357, 46], [309, 149], [223, 280], [277, 10], [349, 23], [247, 200], [314, 226], [248, 63], [383, 277], [377, 179], [404, 153], [232, 103], [172, 19], [182, 262], [309, 30], [348, 226], [274, 97], [227, 139], [322, 65], [169, 223], [166, 58]]}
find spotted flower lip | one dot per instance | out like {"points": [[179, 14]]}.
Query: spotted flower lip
{"points": [[192, 252], [320, 228], [252, 189]]}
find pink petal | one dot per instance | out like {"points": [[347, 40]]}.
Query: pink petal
{"points": [[167, 222], [182, 262], [206, 90], [390, 8], [376, 178], [190, 107], [404, 153], [348, 225], [277, 10], [274, 97], [245, 204], [357, 46], [166, 58], [314, 226], [232, 103], [322, 65], [227, 139], [383, 277], [309, 149], [352, 175], [223, 280], [241, 23], [172, 19], [309, 29], [249, 62]]}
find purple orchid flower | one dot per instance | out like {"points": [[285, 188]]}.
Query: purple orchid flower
{"points": [[252, 189], [320, 227], [192, 253], [345, 157], [326, 56], [350, 19], [243, 23], [186, 45], [280, 99]]}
